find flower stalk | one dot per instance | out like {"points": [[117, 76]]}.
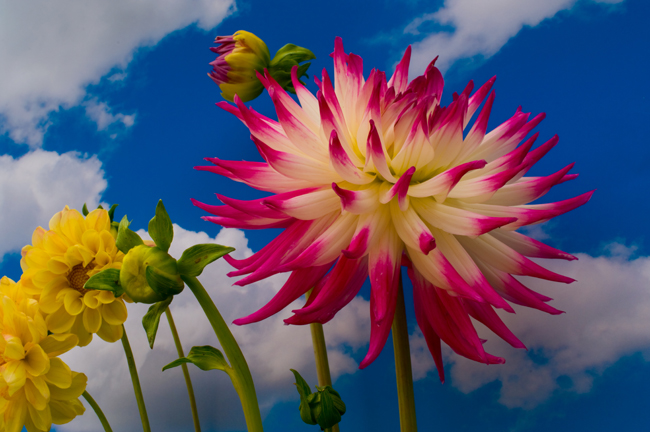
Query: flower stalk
{"points": [[241, 375], [322, 363], [98, 411], [186, 372], [137, 389], [403, 371]]}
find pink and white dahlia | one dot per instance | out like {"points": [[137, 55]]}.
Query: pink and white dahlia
{"points": [[370, 175]]}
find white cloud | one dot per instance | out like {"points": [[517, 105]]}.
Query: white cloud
{"points": [[271, 349], [56, 49], [37, 185], [100, 113], [480, 28], [607, 317]]}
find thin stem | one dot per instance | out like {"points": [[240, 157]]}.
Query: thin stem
{"points": [[186, 372], [403, 371], [240, 373], [98, 411], [136, 382], [322, 363]]}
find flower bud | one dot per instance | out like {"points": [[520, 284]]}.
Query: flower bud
{"points": [[241, 56], [149, 275]]}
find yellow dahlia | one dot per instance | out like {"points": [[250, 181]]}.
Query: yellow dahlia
{"points": [[36, 387], [59, 262]]}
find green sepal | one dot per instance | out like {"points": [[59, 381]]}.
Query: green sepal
{"points": [[195, 258], [290, 55], [106, 280], [111, 212], [126, 238], [203, 357], [305, 393], [160, 228], [151, 319], [84, 210], [328, 415], [162, 283]]}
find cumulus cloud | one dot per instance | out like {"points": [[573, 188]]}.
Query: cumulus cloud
{"points": [[56, 49], [479, 28], [270, 347], [37, 185], [607, 317], [100, 113]]}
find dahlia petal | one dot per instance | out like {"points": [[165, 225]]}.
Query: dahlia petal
{"points": [[440, 185], [253, 224], [457, 221], [477, 98], [400, 188], [342, 164], [377, 157], [528, 189], [476, 134], [334, 291], [257, 207], [358, 201], [513, 159], [485, 314], [411, 229], [481, 189], [307, 100], [448, 139], [312, 205], [365, 235], [495, 143], [399, 80], [416, 150], [297, 166], [430, 336], [528, 246], [256, 174], [299, 283], [332, 116]]}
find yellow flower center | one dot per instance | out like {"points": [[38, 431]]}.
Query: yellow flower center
{"points": [[78, 276]]}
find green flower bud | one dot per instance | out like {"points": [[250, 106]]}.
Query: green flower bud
{"points": [[323, 408], [149, 275]]}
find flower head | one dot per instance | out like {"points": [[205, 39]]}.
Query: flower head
{"points": [[242, 56], [58, 263], [36, 387], [372, 174]]}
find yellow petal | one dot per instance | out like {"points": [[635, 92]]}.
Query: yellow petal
{"points": [[92, 319], [53, 244], [15, 414], [58, 265], [48, 301], [37, 361], [114, 313], [56, 344], [73, 302], [59, 374], [75, 390], [91, 240], [110, 333], [14, 375], [80, 331], [60, 321], [106, 297], [91, 300], [98, 220], [37, 392], [37, 237], [36, 258], [41, 418], [14, 349], [109, 242], [73, 225], [65, 411], [42, 277]]}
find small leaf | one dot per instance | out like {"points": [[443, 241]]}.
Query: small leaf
{"points": [[84, 210], [106, 280], [160, 228], [111, 212], [151, 319], [205, 358], [100, 207], [305, 393], [126, 239], [162, 283], [195, 258]]}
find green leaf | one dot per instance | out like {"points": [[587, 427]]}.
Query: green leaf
{"points": [[195, 258], [126, 239], [106, 280], [84, 210], [305, 393], [329, 415], [205, 358], [151, 319], [162, 283], [111, 212], [160, 228], [290, 55]]}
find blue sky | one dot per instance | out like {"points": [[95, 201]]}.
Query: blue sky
{"points": [[111, 103]]}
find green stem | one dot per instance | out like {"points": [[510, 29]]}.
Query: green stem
{"points": [[186, 372], [241, 375], [136, 382], [322, 363], [98, 411], [403, 371]]}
